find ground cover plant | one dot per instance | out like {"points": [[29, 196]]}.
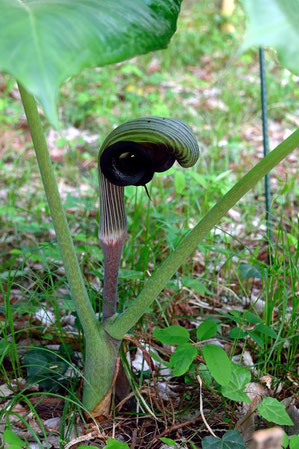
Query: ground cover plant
{"points": [[247, 328]]}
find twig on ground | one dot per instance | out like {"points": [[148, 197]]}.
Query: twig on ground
{"points": [[176, 427], [201, 407], [89, 436]]}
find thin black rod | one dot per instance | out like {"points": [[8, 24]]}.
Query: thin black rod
{"points": [[265, 141]]}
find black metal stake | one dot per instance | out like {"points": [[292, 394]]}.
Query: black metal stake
{"points": [[265, 142]]}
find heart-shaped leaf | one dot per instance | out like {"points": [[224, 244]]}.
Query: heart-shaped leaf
{"points": [[44, 367], [249, 271], [44, 42], [206, 330], [274, 411], [172, 335], [182, 358], [115, 444], [274, 23], [230, 440], [240, 377]]}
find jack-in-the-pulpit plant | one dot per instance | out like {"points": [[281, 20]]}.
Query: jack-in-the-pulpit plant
{"points": [[102, 340], [131, 155]]}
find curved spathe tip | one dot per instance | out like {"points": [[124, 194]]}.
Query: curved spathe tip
{"points": [[135, 150]]}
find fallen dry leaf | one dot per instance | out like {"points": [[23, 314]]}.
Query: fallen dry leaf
{"points": [[268, 438], [246, 424]]}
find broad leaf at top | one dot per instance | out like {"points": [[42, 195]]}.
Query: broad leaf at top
{"points": [[43, 42], [274, 23]]}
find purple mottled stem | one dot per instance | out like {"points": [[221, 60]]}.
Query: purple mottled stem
{"points": [[112, 257], [112, 234]]}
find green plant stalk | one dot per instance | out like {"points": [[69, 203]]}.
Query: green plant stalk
{"points": [[118, 325], [73, 272], [100, 367], [101, 349]]}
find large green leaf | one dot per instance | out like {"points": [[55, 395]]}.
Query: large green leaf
{"points": [[44, 42], [274, 23]]}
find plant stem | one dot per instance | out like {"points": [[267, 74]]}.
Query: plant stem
{"points": [[112, 234], [73, 272], [120, 324], [112, 256], [100, 368]]}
